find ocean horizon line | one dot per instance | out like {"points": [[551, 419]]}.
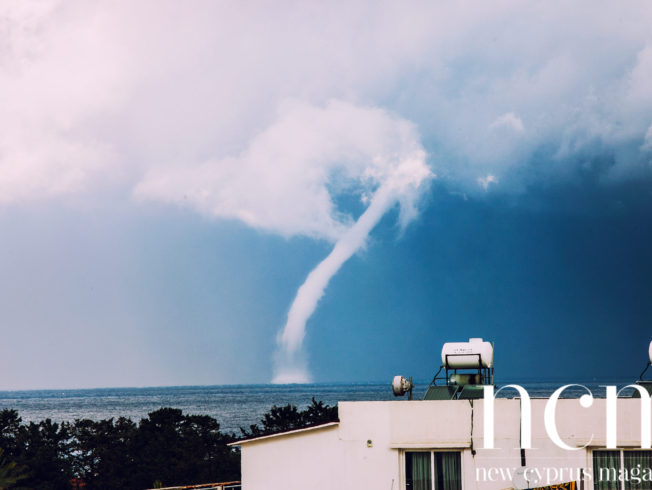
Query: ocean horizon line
{"points": [[419, 382]]}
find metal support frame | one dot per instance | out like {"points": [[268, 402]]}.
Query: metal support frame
{"points": [[486, 374]]}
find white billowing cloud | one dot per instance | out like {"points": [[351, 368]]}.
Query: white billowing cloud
{"points": [[647, 142], [640, 88], [510, 121], [486, 181], [111, 91], [52, 83], [285, 180], [45, 165]]}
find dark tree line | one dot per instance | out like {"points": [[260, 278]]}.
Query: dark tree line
{"points": [[167, 448], [289, 417]]}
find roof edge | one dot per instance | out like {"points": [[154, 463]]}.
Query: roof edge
{"points": [[286, 433]]}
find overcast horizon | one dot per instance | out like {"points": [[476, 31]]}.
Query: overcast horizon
{"points": [[170, 176]]}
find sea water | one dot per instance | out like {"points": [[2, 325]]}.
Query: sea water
{"points": [[233, 406]]}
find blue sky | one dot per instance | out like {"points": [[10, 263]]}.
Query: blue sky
{"points": [[170, 176]]}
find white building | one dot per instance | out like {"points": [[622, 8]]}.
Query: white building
{"points": [[439, 445]]}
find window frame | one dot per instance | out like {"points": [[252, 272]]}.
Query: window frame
{"points": [[621, 461], [431, 451]]}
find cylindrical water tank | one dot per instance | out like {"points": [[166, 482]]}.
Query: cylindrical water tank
{"points": [[650, 352], [465, 355]]}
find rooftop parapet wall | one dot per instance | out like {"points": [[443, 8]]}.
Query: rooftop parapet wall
{"points": [[460, 423]]}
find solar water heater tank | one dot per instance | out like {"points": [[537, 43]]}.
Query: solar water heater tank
{"points": [[471, 354]]}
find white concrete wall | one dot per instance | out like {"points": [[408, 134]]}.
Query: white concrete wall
{"points": [[307, 460], [338, 457]]}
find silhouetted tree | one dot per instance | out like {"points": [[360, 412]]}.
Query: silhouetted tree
{"points": [[44, 448], [9, 429], [317, 413], [175, 449], [10, 472], [289, 417], [103, 452]]}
